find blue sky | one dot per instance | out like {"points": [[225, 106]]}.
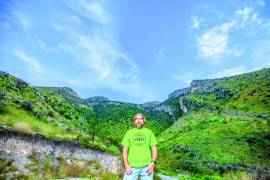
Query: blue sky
{"points": [[132, 51]]}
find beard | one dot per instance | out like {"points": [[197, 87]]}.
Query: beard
{"points": [[139, 125]]}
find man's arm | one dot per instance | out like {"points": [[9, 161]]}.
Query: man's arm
{"points": [[154, 152], [125, 157], [151, 166]]}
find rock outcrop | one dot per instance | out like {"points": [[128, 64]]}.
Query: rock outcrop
{"points": [[179, 93], [18, 147]]}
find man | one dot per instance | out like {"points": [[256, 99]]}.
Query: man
{"points": [[139, 151]]}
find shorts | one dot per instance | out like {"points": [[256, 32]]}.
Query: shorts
{"points": [[136, 172]]}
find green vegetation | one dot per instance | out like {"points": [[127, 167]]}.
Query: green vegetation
{"points": [[21, 120], [224, 135], [46, 169], [112, 121], [202, 141], [174, 102], [6, 167], [248, 92], [65, 104], [226, 132], [61, 113]]}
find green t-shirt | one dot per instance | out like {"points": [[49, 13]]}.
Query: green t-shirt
{"points": [[139, 143]]}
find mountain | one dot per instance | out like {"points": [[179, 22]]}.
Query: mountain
{"points": [[64, 92], [98, 117], [97, 99], [224, 128], [213, 129], [114, 118], [248, 93], [44, 111], [151, 104]]}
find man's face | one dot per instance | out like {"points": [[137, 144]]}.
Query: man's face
{"points": [[139, 121]]}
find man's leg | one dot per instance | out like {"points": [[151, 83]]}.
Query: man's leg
{"points": [[143, 174], [134, 175]]}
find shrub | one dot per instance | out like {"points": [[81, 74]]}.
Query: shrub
{"points": [[27, 106], [21, 84], [22, 126]]}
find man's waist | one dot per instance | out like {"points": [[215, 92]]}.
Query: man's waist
{"points": [[139, 164]]}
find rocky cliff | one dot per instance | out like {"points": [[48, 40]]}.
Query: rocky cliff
{"points": [[22, 148]]}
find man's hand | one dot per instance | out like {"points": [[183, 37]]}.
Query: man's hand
{"points": [[150, 168], [128, 170]]}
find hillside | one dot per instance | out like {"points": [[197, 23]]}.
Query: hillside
{"points": [[215, 128], [26, 109], [113, 119], [225, 129], [246, 93], [33, 156], [97, 121]]}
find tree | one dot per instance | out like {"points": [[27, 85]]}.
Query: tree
{"points": [[92, 122]]}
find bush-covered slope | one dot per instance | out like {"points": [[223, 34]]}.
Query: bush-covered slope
{"points": [[226, 128], [67, 103], [220, 125], [204, 142], [113, 119], [27, 109], [92, 120], [248, 92]]}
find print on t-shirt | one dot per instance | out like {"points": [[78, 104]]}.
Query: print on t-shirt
{"points": [[139, 139]]}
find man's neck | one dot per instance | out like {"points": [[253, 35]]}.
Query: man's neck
{"points": [[139, 127]]}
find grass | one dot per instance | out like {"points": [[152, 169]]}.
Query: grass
{"points": [[24, 121], [64, 168], [6, 168], [227, 176], [196, 140], [249, 93], [203, 137]]}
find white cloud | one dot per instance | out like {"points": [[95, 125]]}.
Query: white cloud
{"points": [[212, 44], [44, 46], [97, 11], [85, 36], [215, 43], [23, 20], [60, 27], [74, 19], [246, 16], [115, 69], [195, 22], [230, 72], [260, 55], [93, 10], [38, 75], [161, 54], [28, 60], [185, 78], [100, 53], [95, 55]]}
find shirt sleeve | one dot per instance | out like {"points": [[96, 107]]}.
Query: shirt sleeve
{"points": [[125, 141], [153, 140]]}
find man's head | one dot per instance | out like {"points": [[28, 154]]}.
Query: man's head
{"points": [[139, 120]]}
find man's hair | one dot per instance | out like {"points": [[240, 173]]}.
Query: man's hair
{"points": [[140, 114]]}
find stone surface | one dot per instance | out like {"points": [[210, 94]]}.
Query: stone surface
{"points": [[179, 93], [19, 146]]}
